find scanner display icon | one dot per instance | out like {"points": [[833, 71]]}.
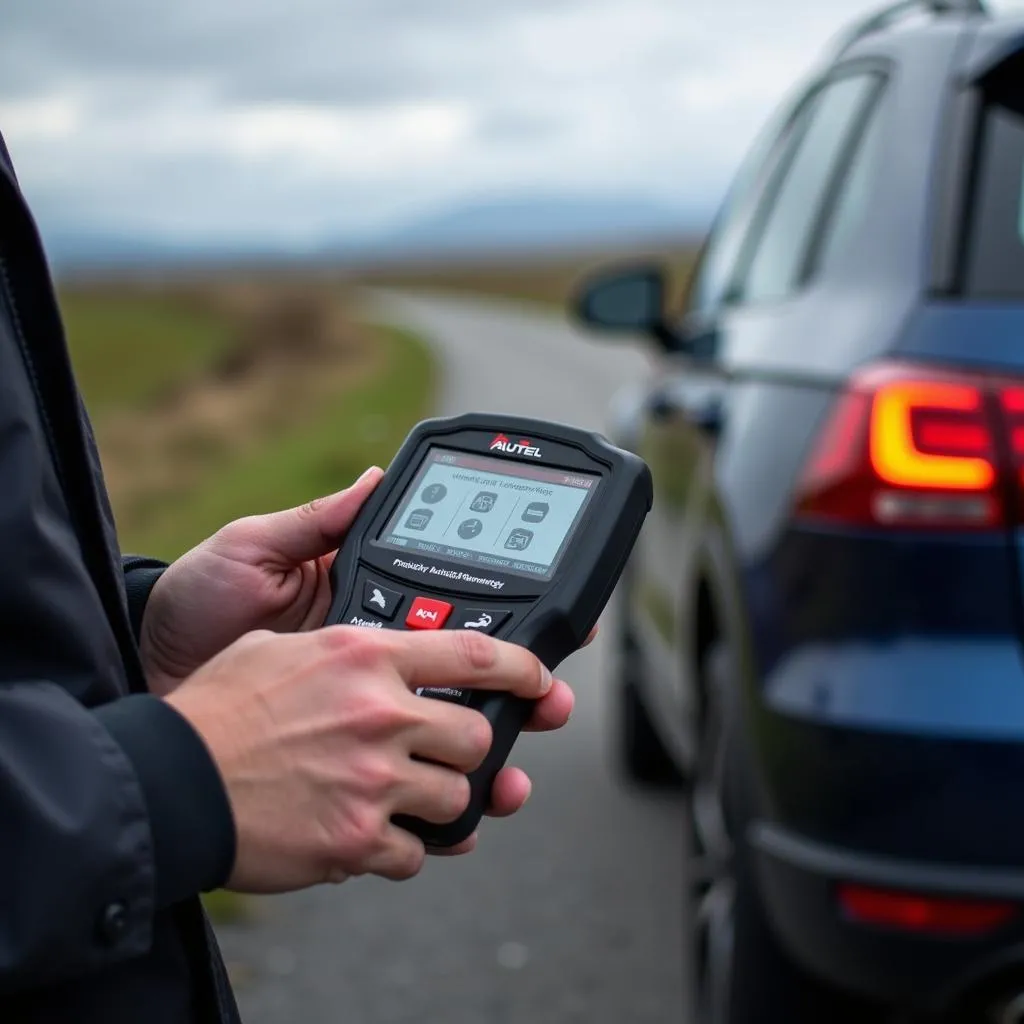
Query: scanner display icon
{"points": [[419, 520], [519, 540], [484, 502], [536, 512]]}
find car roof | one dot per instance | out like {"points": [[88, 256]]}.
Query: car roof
{"points": [[994, 40], [988, 39]]}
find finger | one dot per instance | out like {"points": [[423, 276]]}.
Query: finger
{"points": [[450, 735], [511, 790], [400, 856], [468, 846], [554, 710], [315, 529], [467, 660], [317, 580], [435, 794], [591, 637]]}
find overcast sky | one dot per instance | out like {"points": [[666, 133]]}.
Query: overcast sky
{"points": [[297, 118]]}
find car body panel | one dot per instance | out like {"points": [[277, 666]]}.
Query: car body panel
{"points": [[975, 335], [881, 675], [752, 347], [922, 974]]}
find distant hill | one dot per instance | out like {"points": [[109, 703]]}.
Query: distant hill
{"points": [[532, 222], [68, 249], [509, 225]]}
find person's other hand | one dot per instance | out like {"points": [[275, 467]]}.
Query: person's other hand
{"points": [[321, 741], [267, 572]]}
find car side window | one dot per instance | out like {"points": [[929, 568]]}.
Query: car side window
{"points": [[854, 197], [995, 231], [787, 225], [715, 271]]}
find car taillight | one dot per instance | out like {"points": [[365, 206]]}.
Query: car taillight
{"points": [[914, 447], [1012, 406], [931, 915]]}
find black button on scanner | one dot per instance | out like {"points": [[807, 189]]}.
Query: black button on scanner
{"points": [[381, 601], [484, 620]]}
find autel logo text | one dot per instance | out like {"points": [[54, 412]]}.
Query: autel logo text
{"points": [[524, 447]]}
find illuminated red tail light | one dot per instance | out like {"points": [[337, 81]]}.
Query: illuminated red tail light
{"points": [[1012, 408], [930, 915], [917, 448]]}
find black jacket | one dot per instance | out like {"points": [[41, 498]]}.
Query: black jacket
{"points": [[113, 816]]}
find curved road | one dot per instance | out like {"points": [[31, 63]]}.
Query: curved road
{"points": [[571, 912]]}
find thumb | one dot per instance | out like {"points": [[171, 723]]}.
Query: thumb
{"points": [[317, 528]]}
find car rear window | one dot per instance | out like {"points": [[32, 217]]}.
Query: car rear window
{"points": [[994, 266]]}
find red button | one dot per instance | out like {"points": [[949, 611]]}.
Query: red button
{"points": [[427, 614]]}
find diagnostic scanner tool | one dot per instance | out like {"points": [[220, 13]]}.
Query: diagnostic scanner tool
{"points": [[514, 527]]}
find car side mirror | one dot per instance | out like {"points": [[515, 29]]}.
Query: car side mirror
{"points": [[626, 300]]}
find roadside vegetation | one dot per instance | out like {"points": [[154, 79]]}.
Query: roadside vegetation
{"points": [[215, 400]]}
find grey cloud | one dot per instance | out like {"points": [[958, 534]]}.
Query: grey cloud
{"points": [[558, 93], [353, 51], [516, 127]]}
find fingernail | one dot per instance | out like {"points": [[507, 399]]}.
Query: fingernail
{"points": [[547, 680], [367, 474]]}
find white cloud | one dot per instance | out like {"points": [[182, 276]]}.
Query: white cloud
{"points": [[44, 119]]}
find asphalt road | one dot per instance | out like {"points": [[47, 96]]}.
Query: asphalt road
{"points": [[572, 911]]}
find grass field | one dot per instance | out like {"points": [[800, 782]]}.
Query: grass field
{"points": [[129, 348], [211, 403], [214, 402]]}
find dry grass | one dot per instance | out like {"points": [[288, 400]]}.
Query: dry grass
{"points": [[292, 350], [208, 396], [547, 279]]}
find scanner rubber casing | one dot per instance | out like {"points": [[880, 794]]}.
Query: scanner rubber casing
{"points": [[552, 618]]}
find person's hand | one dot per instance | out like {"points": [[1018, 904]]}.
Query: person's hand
{"points": [[267, 572], [270, 572], [321, 740]]}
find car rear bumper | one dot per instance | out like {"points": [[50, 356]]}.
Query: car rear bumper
{"points": [[912, 750], [799, 878]]}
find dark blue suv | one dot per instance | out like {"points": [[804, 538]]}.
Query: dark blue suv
{"points": [[823, 630]]}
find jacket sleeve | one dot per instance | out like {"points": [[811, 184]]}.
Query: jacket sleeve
{"points": [[106, 816], [111, 807], [140, 576]]}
